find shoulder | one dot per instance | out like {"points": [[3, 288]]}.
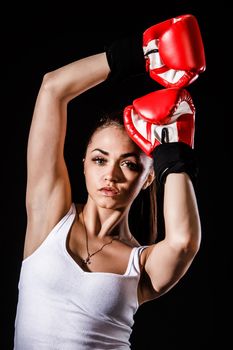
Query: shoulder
{"points": [[144, 252]]}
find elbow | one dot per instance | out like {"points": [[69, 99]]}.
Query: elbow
{"points": [[187, 245], [49, 82], [51, 85], [186, 238], [194, 240], [192, 247]]}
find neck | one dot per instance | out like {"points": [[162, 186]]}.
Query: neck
{"points": [[103, 222]]}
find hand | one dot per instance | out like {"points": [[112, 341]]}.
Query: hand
{"points": [[162, 124], [162, 116], [174, 51]]}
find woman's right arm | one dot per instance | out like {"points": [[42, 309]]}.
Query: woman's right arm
{"points": [[48, 193]]}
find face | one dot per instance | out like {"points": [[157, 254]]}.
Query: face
{"points": [[115, 168]]}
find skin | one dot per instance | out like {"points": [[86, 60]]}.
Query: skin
{"points": [[117, 163], [115, 171], [48, 196]]}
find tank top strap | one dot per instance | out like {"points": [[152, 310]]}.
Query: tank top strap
{"points": [[66, 220], [134, 261]]}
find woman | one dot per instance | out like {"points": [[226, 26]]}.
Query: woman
{"points": [[84, 274]]}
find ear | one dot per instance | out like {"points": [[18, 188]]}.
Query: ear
{"points": [[83, 166], [150, 179]]}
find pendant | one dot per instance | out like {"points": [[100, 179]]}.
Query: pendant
{"points": [[86, 261]]}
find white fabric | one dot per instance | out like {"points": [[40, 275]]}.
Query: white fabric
{"points": [[60, 306]]}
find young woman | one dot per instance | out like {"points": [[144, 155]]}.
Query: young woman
{"points": [[84, 274]]}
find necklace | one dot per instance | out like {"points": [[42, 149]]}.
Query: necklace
{"points": [[89, 255]]}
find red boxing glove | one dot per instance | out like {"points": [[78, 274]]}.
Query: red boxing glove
{"points": [[163, 116], [174, 51]]}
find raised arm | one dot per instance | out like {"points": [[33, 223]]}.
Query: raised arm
{"points": [[162, 124], [48, 195], [169, 259]]}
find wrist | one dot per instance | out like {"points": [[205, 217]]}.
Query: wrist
{"points": [[125, 57], [174, 157]]}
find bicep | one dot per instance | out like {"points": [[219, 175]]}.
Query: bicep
{"points": [[166, 264], [47, 174]]}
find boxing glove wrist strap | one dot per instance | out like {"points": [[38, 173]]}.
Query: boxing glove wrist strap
{"points": [[174, 157], [125, 58]]}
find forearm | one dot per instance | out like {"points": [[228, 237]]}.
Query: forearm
{"points": [[75, 78], [48, 128], [50, 112], [182, 223], [169, 259]]}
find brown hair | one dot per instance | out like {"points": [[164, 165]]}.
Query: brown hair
{"points": [[144, 206]]}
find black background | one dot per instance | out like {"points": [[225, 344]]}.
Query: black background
{"points": [[41, 37]]}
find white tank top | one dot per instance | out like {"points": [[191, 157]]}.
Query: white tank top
{"points": [[62, 307]]}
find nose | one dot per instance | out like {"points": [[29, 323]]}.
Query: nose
{"points": [[113, 173]]}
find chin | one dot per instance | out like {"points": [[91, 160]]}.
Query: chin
{"points": [[109, 203], [105, 205]]}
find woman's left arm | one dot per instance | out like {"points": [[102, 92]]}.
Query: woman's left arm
{"points": [[170, 258]]}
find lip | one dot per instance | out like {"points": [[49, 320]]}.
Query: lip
{"points": [[109, 191]]}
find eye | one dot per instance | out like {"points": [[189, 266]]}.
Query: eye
{"points": [[131, 165], [99, 160]]}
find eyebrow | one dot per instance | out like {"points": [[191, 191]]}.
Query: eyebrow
{"points": [[124, 155]]}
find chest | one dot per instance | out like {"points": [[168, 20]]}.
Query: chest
{"points": [[97, 255]]}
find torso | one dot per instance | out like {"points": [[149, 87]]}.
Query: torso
{"points": [[74, 308], [112, 258]]}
